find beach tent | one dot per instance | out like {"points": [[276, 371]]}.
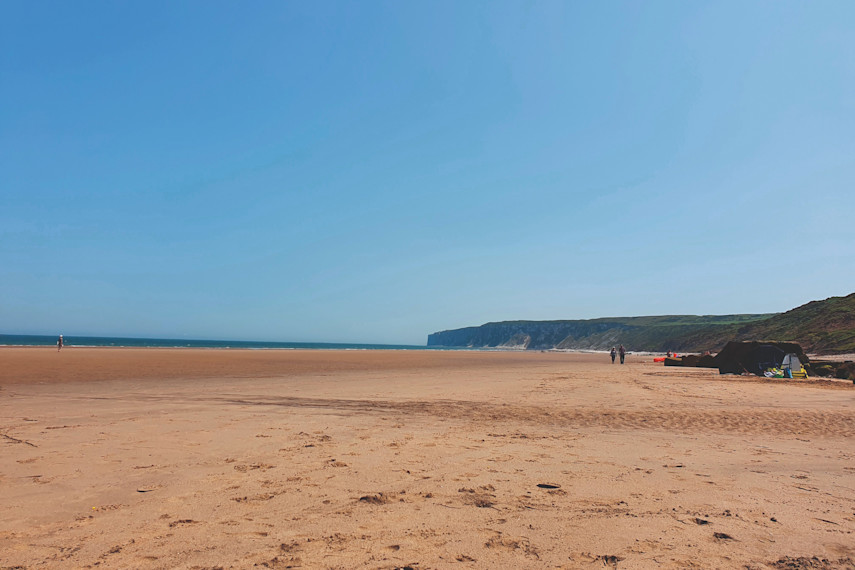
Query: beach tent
{"points": [[792, 367], [792, 362], [764, 357], [756, 356]]}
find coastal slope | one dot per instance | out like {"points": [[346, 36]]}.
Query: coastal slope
{"points": [[824, 327], [655, 333], [820, 327]]}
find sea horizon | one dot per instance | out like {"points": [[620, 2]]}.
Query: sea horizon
{"points": [[22, 340]]}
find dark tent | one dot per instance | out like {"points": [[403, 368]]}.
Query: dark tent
{"points": [[692, 361], [755, 357], [764, 357]]}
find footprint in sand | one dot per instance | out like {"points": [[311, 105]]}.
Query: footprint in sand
{"points": [[518, 545], [243, 468], [483, 497]]}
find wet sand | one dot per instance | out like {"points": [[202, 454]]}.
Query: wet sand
{"points": [[184, 458]]}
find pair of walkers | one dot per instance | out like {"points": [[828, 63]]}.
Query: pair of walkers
{"points": [[621, 351]]}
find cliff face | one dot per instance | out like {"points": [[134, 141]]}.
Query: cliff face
{"points": [[825, 327], [637, 333], [526, 334]]}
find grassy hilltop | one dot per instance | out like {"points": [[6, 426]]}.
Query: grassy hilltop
{"points": [[822, 327]]}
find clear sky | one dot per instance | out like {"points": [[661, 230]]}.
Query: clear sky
{"points": [[374, 172]]}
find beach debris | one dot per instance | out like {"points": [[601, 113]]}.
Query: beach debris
{"points": [[276, 562], [146, 489], [700, 521], [182, 521], [16, 440], [803, 562], [549, 486], [107, 508], [291, 546], [605, 559], [723, 536], [378, 499]]}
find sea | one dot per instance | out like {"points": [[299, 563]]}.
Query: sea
{"points": [[42, 340]]}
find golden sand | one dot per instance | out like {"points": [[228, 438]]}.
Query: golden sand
{"points": [[184, 458]]}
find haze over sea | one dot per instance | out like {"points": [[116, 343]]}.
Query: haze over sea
{"points": [[44, 340]]}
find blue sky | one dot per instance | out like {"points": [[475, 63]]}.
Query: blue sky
{"points": [[374, 172]]}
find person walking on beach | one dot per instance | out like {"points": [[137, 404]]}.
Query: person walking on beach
{"points": [[622, 352], [59, 344], [613, 353]]}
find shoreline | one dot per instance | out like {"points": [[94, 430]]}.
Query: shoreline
{"points": [[83, 364], [845, 357]]}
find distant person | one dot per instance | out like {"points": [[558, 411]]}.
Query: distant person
{"points": [[59, 344], [622, 352], [613, 353], [668, 354]]}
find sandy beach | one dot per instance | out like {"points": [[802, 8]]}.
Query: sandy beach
{"points": [[180, 458]]}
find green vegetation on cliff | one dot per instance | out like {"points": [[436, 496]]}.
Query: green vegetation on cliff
{"points": [[655, 333], [821, 327], [826, 327]]}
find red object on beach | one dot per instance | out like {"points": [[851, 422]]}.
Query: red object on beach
{"points": [[659, 359]]}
